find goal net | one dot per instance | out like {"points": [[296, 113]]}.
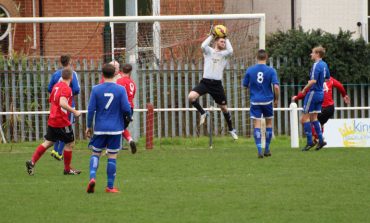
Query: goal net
{"points": [[167, 59]]}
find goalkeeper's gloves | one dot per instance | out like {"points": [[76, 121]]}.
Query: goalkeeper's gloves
{"points": [[212, 32]]}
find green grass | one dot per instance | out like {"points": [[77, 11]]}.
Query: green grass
{"points": [[181, 180]]}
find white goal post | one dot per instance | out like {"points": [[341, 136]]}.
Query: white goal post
{"points": [[260, 16]]}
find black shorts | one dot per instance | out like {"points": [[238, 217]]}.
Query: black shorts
{"points": [[60, 134], [326, 114], [212, 87]]}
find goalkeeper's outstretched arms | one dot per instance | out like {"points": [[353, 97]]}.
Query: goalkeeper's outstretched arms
{"points": [[229, 49], [205, 45]]}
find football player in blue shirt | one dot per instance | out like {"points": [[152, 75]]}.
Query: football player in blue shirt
{"points": [[314, 98], [66, 62], [264, 91], [108, 107]]}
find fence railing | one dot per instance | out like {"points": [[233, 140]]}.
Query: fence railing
{"points": [[23, 87]]}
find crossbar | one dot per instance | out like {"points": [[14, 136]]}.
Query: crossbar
{"points": [[131, 18]]}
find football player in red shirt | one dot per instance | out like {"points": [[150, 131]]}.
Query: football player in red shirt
{"points": [[130, 87], [59, 125], [328, 109]]}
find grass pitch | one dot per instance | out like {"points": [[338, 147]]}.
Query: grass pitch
{"points": [[181, 180]]}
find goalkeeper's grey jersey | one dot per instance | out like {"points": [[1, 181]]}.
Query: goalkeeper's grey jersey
{"points": [[215, 61]]}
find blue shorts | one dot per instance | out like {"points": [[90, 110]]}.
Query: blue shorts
{"points": [[257, 111], [312, 102], [110, 142]]}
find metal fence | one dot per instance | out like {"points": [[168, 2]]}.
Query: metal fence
{"points": [[23, 86]]}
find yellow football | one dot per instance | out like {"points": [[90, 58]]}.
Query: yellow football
{"points": [[220, 31]]}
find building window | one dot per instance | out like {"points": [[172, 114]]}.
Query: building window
{"points": [[4, 32], [119, 9], [145, 30]]}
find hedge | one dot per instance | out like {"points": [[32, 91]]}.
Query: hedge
{"points": [[348, 58]]}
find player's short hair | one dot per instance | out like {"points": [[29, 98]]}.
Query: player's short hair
{"points": [[319, 50], [65, 59], [262, 55], [217, 38], [108, 71], [127, 68], [67, 73]]}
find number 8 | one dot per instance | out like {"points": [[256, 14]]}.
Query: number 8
{"points": [[260, 77]]}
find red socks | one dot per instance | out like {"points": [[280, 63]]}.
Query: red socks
{"points": [[40, 150], [67, 159], [126, 134], [314, 134]]}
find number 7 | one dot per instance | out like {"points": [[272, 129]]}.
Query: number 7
{"points": [[56, 91], [111, 96]]}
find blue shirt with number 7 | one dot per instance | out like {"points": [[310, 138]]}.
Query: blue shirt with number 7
{"points": [[109, 104]]}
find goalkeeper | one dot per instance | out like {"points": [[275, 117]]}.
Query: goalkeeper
{"points": [[215, 60]]}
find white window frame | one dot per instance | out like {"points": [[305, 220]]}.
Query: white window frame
{"points": [[9, 27], [156, 30], [365, 23], [7, 32]]}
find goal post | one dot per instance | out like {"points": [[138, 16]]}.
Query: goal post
{"points": [[162, 18]]}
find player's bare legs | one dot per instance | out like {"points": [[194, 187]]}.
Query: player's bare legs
{"points": [[227, 117], [193, 99]]}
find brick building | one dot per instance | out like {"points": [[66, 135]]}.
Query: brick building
{"points": [[85, 39], [55, 38], [95, 40]]}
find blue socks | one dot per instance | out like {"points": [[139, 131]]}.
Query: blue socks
{"points": [[257, 139], [317, 126], [268, 139], [111, 169], [58, 147], [308, 132], [94, 164], [111, 172]]}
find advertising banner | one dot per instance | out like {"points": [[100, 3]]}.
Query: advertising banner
{"points": [[347, 132]]}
